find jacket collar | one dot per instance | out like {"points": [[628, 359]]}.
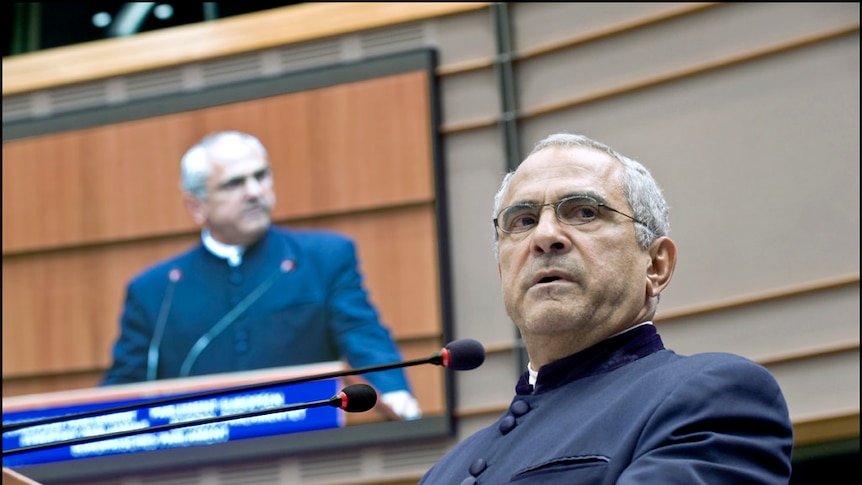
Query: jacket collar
{"points": [[605, 356]]}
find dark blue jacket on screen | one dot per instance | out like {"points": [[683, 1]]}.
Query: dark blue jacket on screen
{"points": [[307, 304]]}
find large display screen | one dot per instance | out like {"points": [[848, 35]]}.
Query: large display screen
{"points": [[91, 198]]}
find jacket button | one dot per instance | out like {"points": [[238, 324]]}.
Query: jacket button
{"points": [[478, 467], [519, 408], [507, 424]]}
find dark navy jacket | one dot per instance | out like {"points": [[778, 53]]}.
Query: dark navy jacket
{"points": [[629, 412], [312, 307]]}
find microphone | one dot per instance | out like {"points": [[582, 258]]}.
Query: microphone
{"points": [[462, 354], [174, 276], [356, 398]]}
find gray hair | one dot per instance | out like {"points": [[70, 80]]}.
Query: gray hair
{"points": [[196, 166], [641, 190]]}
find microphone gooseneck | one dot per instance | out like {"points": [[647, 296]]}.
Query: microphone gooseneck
{"points": [[174, 276], [462, 354]]}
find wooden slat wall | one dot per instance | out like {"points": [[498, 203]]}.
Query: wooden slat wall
{"points": [[85, 210]]}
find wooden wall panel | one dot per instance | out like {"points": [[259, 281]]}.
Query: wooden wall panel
{"points": [[333, 157], [93, 185], [60, 308], [38, 384]]}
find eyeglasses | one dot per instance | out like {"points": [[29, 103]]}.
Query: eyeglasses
{"points": [[574, 211], [232, 185]]}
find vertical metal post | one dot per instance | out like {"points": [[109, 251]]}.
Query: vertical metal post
{"points": [[508, 117], [506, 84]]}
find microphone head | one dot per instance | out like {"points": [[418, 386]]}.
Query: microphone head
{"points": [[463, 354], [356, 398]]}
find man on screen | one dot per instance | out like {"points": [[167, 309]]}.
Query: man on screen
{"points": [[251, 295]]}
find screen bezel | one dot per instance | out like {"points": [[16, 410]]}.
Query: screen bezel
{"points": [[365, 434]]}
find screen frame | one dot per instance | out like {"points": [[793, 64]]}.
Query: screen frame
{"points": [[364, 434]]}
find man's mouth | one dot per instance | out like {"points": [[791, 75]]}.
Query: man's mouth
{"points": [[256, 209], [550, 277]]}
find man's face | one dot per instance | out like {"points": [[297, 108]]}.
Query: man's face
{"points": [[239, 199], [581, 283]]}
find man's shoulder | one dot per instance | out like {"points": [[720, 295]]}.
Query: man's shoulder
{"points": [[708, 359], [717, 364]]}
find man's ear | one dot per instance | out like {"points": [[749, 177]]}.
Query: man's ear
{"points": [[194, 207], [662, 253]]}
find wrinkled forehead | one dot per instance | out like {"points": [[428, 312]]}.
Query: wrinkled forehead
{"points": [[556, 172]]}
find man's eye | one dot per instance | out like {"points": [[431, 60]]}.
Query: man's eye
{"points": [[578, 213], [586, 212], [523, 220]]}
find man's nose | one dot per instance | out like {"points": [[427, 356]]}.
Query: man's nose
{"points": [[549, 234], [253, 186]]}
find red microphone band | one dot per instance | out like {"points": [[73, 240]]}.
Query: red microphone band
{"points": [[446, 357], [357, 398]]}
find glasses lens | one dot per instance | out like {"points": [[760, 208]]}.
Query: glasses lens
{"points": [[577, 210], [518, 218]]}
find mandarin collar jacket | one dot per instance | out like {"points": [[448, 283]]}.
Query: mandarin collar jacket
{"points": [[630, 412]]}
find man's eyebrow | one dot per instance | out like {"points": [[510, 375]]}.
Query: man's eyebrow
{"points": [[523, 202], [588, 193], [240, 178], [580, 193], [232, 180]]}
